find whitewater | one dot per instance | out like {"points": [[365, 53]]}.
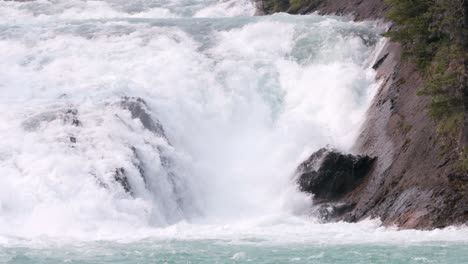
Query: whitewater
{"points": [[169, 131]]}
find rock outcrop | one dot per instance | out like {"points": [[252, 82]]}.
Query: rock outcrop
{"points": [[330, 175], [66, 115], [139, 110], [164, 182], [415, 183], [359, 9]]}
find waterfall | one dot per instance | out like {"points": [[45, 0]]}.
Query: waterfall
{"points": [[135, 115]]}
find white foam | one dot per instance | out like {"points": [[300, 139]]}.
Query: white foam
{"points": [[63, 10], [242, 101]]}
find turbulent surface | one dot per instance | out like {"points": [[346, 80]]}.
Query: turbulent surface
{"points": [[176, 121], [203, 251], [299, 243]]}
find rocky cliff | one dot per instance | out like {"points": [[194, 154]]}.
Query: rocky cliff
{"points": [[359, 9], [415, 181]]}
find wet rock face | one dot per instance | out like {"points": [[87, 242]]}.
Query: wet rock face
{"points": [[69, 116], [139, 110], [121, 178], [327, 212], [329, 174]]}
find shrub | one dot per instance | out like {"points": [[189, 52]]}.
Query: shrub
{"points": [[431, 32]]}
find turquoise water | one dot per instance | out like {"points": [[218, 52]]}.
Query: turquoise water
{"points": [[222, 251]]}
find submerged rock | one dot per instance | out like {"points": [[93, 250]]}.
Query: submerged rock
{"points": [[329, 174], [121, 177], [333, 211], [153, 179], [69, 116], [139, 110]]}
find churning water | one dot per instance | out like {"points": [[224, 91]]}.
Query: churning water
{"points": [[168, 131]]}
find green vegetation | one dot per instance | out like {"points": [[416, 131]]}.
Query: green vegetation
{"points": [[432, 34], [404, 126], [271, 6], [463, 162]]}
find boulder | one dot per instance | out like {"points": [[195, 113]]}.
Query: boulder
{"points": [[330, 175]]}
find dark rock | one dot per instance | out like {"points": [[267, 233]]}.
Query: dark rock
{"points": [[68, 115], [330, 175], [333, 211], [137, 162], [434, 36], [361, 10], [139, 110], [380, 61], [71, 116], [120, 177], [72, 139]]}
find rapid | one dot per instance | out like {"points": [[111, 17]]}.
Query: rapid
{"points": [[169, 131]]}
